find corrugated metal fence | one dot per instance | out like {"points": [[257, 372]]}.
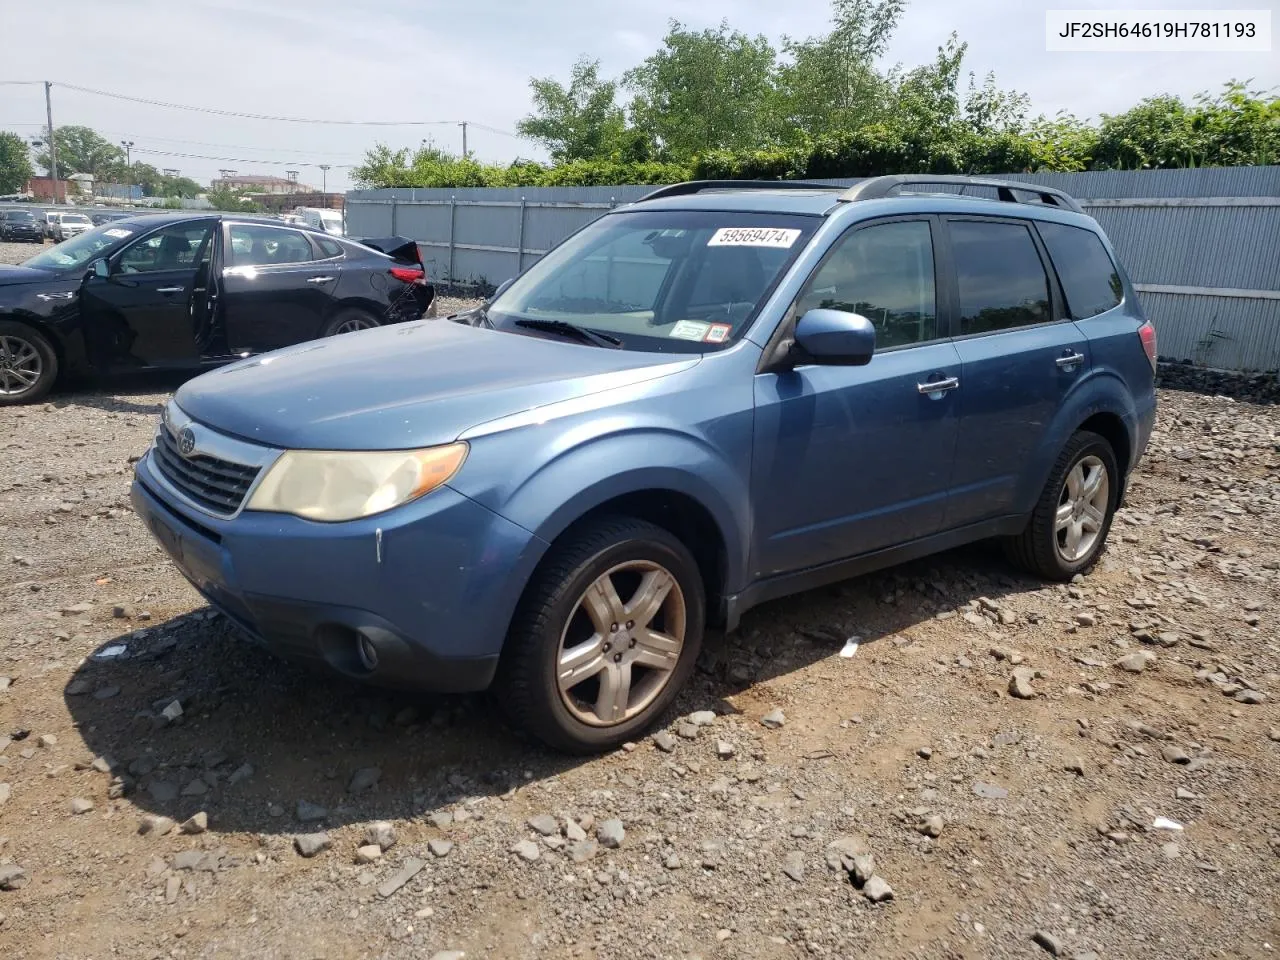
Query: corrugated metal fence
{"points": [[1202, 246]]}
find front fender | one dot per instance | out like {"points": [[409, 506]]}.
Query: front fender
{"points": [[587, 471], [1098, 392]]}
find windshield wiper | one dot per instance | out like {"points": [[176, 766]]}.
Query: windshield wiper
{"points": [[571, 330]]}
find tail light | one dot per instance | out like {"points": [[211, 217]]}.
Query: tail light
{"points": [[409, 274], [1147, 334]]}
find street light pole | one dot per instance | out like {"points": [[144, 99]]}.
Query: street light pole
{"points": [[324, 179], [128, 164]]}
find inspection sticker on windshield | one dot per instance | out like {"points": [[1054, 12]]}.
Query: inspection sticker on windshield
{"points": [[689, 330], [718, 333], [753, 237], [118, 233]]}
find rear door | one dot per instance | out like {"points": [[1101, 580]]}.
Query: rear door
{"points": [[1020, 354], [141, 314], [276, 287]]}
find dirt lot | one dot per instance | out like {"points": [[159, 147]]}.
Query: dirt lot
{"points": [[995, 820]]}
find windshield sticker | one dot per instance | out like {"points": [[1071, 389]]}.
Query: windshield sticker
{"points": [[753, 237], [689, 330], [118, 232], [718, 333]]}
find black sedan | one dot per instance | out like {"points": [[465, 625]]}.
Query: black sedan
{"points": [[187, 291], [21, 225]]}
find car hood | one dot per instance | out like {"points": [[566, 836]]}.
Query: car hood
{"points": [[13, 275], [405, 386]]}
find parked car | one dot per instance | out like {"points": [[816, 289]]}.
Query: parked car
{"points": [[699, 402], [184, 290], [20, 225], [107, 216], [68, 225], [330, 221]]}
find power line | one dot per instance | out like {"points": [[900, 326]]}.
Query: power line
{"points": [[256, 116], [200, 156]]}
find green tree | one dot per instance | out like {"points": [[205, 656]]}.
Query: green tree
{"points": [[231, 202], [703, 90], [82, 150], [579, 121], [830, 82], [1158, 132], [15, 164]]}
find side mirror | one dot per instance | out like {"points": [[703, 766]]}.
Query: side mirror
{"points": [[100, 268], [836, 338], [502, 288]]}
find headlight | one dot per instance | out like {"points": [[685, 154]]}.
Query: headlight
{"points": [[339, 485]]}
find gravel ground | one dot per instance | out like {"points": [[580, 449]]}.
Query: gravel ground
{"points": [[745, 828]]}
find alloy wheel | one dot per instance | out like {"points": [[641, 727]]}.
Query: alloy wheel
{"points": [[352, 324], [1082, 509], [615, 657], [20, 366]]}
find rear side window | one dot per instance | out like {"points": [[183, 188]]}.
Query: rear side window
{"points": [[262, 246], [1088, 274], [1001, 280], [328, 248]]}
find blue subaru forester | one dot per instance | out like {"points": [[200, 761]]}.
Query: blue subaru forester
{"points": [[724, 393]]}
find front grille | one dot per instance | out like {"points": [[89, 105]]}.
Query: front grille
{"points": [[217, 485]]}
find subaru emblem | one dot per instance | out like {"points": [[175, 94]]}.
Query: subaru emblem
{"points": [[186, 442]]}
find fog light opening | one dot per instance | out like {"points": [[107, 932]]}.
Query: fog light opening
{"points": [[367, 651]]}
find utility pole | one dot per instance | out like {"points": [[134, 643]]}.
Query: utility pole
{"points": [[463, 125], [324, 179], [53, 147], [128, 164]]}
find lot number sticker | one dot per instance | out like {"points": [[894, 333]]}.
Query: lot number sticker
{"points": [[118, 232], [718, 333], [689, 330], [753, 237]]}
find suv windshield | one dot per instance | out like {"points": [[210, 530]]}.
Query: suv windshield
{"points": [[18, 215], [667, 281], [79, 250]]}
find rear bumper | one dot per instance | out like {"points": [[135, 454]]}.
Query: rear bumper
{"points": [[426, 605]]}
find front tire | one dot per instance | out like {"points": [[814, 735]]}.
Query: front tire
{"points": [[28, 364], [1068, 528], [605, 636]]}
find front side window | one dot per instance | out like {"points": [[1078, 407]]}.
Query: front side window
{"points": [[1089, 278], [885, 273], [1001, 280], [177, 247], [260, 246], [669, 281]]}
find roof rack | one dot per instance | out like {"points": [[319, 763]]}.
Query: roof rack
{"points": [[700, 186], [877, 187]]}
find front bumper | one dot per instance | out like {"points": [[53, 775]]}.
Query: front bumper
{"points": [[420, 597]]}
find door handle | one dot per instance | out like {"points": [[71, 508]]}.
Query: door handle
{"points": [[1070, 360], [170, 289], [930, 387], [319, 279]]}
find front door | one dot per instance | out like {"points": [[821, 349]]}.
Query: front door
{"points": [[275, 289], [1020, 356], [141, 314], [849, 460]]}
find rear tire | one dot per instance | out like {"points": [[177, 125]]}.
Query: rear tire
{"points": [[28, 364], [349, 321], [1068, 528], [605, 636]]}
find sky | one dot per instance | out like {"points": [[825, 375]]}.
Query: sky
{"points": [[427, 60]]}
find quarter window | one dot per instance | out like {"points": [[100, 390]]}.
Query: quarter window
{"points": [[252, 245], [885, 273], [1001, 280], [328, 248], [1088, 274]]}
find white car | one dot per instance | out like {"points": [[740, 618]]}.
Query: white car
{"points": [[318, 218], [69, 225]]}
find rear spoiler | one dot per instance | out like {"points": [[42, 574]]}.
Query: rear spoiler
{"points": [[397, 248]]}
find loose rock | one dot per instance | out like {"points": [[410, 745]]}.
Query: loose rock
{"points": [[527, 850], [364, 780], [196, 824], [1048, 941], [877, 890], [774, 719], [611, 833], [793, 865], [1020, 683], [80, 805], [412, 867], [310, 844], [380, 834], [440, 847], [544, 824]]}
